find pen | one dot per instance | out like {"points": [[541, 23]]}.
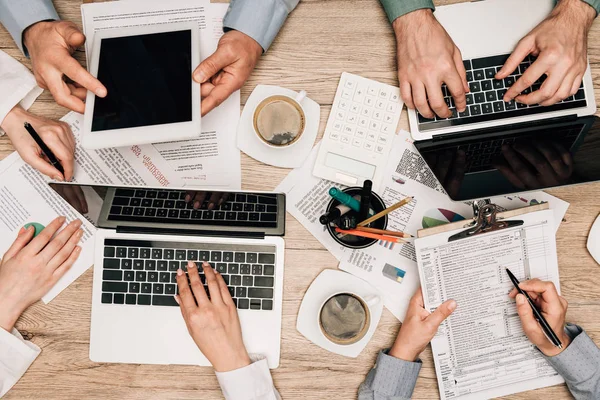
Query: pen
{"points": [[334, 214], [47, 152], [365, 200], [536, 313], [345, 199]]}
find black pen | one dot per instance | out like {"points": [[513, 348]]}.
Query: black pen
{"points": [[47, 152], [365, 200], [536, 313]]}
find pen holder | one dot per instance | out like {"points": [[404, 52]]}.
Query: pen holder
{"points": [[351, 241]]}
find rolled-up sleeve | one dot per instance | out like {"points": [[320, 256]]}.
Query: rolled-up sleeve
{"points": [[397, 8], [259, 19], [252, 382], [16, 355], [579, 364], [18, 15], [390, 378]]}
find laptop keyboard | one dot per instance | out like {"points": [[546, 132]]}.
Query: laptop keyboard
{"points": [[144, 272], [169, 206], [484, 102]]}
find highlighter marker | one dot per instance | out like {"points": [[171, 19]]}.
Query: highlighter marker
{"points": [[345, 199], [334, 214]]}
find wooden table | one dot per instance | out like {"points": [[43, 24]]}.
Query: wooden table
{"points": [[319, 41]]}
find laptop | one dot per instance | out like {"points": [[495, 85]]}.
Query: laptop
{"points": [[486, 32], [145, 234]]}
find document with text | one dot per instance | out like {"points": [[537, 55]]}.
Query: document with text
{"points": [[481, 351]]}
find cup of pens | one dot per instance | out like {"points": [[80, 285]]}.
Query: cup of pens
{"points": [[357, 217]]}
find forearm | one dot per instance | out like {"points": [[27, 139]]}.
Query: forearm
{"points": [[252, 382], [595, 4], [579, 364], [398, 8], [18, 15], [390, 378], [259, 19]]}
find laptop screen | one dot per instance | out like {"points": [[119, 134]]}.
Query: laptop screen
{"points": [[144, 209], [515, 158]]}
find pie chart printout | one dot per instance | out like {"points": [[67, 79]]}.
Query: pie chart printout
{"points": [[440, 216]]}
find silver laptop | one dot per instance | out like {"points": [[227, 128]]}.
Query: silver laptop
{"points": [[486, 32], [145, 234]]}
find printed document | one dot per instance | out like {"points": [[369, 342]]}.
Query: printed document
{"points": [[211, 160], [481, 351]]}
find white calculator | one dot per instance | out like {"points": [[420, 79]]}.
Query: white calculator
{"points": [[359, 132]]}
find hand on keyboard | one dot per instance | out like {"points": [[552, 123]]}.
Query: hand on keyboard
{"points": [[536, 165], [213, 323], [560, 44], [213, 199], [32, 265], [427, 57]]}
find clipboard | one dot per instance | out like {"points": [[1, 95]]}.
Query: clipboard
{"points": [[487, 219]]}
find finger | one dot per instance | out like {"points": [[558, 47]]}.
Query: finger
{"points": [[196, 284], [66, 265], [436, 99], [218, 95], [66, 250], [576, 84], [406, 94], [564, 302], [525, 312], [214, 200], [64, 155], [59, 241], [417, 298], [186, 298], [539, 162], [23, 237], [62, 94], [564, 153], [553, 158], [205, 89], [199, 199], [212, 64], [546, 91], [40, 164], [519, 167], [67, 136], [544, 288], [79, 92], [225, 295], [71, 68], [441, 313], [420, 99], [455, 83], [213, 285], [563, 91], [524, 47], [41, 240], [462, 72], [533, 73]]}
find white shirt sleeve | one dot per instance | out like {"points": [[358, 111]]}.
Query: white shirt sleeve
{"points": [[16, 355], [17, 86], [253, 382]]}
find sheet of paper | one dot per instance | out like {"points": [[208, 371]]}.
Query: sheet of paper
{"points": [[132, 166], [481, 351], [26, 197], [213, 159]]}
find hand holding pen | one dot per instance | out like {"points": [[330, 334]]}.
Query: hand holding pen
{"points": [[552, 307]]}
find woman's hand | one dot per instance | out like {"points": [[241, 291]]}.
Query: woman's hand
{"points": [[31, 267]]}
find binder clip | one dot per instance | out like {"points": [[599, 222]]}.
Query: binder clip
{"points": [[486, 222]]}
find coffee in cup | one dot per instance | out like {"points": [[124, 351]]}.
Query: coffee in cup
{"points": [[279, 121], [344, 318]]}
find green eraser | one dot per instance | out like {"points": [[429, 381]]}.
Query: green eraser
{"points": [[37, 226]]}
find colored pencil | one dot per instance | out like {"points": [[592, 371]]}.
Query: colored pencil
{"points": [[386, 211], [354, 232], [383, 232]]}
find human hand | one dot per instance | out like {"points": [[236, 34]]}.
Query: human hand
{"points": [[560, 44], [51, 46], [216, 199], [56, 134], [213, 323], [552, 306], [427, 58], [536, 165], [226, 70], [419, 327], [31, 267]]}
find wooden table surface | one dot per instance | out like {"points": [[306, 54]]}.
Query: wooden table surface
{"points": [[320, 40]]}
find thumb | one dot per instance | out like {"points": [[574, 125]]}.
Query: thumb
{"points": [[73, 36], [526, 314], [524, 47], [441, 313], [211, 65]]}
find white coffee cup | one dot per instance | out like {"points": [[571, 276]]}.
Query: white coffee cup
{"points": [[345, 317], [279, 120]]}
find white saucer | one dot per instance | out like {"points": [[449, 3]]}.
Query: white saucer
{"points": [[328, 283], [286, 157]]}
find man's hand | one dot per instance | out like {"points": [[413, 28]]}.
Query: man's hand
{"points": [[213, 323], [427, 58], [50, 46], [419, 327], [560, 44], [552, 306], [56, 134], [226, 70], [31, 267]]}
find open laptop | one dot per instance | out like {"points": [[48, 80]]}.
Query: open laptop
{"points": [[486, 32], [145, 234]]}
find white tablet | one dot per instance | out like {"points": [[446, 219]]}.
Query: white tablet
{"points": [[151, 95]]}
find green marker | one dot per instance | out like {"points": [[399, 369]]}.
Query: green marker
{"points": [[37, 226]]}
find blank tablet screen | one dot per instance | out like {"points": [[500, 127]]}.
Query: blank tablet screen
{"points": [[148, 78]]}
